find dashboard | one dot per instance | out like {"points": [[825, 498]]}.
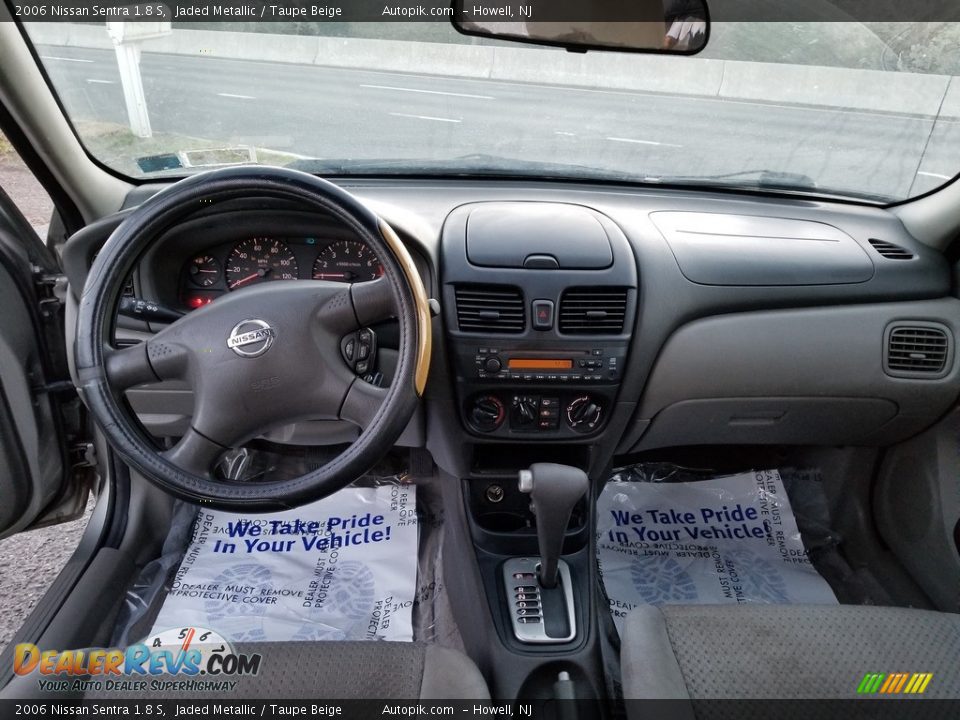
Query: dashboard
{"points": [[588, 322]]}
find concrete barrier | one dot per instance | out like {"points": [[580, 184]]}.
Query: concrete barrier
{"points": [[846, 88], [610, 71], [872, 90]]}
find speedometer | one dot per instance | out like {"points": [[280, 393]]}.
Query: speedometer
{"points": [[347, 261], [258, 260]]}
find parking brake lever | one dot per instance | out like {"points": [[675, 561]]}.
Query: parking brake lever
{"points": [[554, 491]]}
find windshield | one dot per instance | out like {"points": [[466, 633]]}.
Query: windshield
{"points": [[866, 110]]}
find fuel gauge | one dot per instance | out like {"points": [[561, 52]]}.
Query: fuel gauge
{"points": [[204, 271]]}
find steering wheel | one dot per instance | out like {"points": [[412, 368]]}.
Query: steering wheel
{"points": [[256, 359]]}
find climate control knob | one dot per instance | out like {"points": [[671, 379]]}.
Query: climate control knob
{"points": [[584, 413], [487, 413], [523, 415]]}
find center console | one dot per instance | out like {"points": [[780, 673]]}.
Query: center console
{"points": [[540, 300], [539, 303]]}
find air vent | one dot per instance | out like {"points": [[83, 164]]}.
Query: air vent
{"points": [[917, 350], [490, 308], [890, 251], [593, 311]]}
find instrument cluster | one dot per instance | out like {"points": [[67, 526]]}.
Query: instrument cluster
{"points": [[248, 261]]}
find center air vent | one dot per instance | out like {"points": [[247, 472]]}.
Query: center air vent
{"points": [[593, 311], [890, 251], [917, 350], [490, 308]]}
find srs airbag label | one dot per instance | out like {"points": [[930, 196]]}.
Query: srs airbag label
{"points": [[730, 539], [342, 568]]}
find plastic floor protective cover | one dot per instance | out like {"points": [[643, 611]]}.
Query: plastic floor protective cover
{"points": [[666, 535], [362, 564]]}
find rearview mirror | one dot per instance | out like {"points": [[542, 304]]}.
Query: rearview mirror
{"points": [[653, 26]]}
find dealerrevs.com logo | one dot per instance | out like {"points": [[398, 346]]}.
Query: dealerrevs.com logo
{"points": [[190, 659]]}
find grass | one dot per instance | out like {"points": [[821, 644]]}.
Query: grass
{"points": [[6, 149]]}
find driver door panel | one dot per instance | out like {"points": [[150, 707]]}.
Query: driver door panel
{"points": [[35, 472]]}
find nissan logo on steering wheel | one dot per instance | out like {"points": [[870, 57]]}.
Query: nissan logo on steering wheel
{"points": [[251, 338]]}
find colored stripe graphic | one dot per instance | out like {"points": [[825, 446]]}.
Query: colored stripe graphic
{"points": [[894, 683], [901, 682]]}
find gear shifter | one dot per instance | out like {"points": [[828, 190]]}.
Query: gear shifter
{"points": [[554, 490]]}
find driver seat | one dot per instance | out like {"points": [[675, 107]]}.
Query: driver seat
{"points": [[773, 652]]}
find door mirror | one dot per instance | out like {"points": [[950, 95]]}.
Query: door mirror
{"points": [[653, 26]]}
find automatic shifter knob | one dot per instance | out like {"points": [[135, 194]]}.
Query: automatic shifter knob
{"points": [[554, 490]]}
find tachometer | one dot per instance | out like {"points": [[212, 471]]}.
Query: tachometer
{"points": [[347, 261], [260, 259], [204, 271]]}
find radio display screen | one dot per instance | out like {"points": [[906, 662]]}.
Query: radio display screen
{"points": [[539, 364]]}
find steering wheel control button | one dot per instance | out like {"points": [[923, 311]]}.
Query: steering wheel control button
{"points": [[359, 350], [251, 338], [542, 314]]}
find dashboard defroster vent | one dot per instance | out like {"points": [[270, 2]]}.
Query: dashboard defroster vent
{"points": [[490, 308], [890, 251], [593, 311], [917, 350]]}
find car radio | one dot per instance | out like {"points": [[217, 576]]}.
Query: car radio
{"points": [[589, 365]]}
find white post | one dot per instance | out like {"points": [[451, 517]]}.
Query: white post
{"points": [[128, 61], [126, 37]]}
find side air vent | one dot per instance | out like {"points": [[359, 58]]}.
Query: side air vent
{"points": [[890, 251], [490, 308], [593, 311], [917, 350]]}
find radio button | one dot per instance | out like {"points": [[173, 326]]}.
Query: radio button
{"points": [[492, 365]]}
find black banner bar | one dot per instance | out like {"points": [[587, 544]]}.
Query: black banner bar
{"points": [[877, 708], [306, 11]]}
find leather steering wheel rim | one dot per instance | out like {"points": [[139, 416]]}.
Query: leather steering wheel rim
{"points": [[310, 315]]}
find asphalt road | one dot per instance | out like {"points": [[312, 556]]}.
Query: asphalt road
{"points": [[359, 114], [29, 563]]}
